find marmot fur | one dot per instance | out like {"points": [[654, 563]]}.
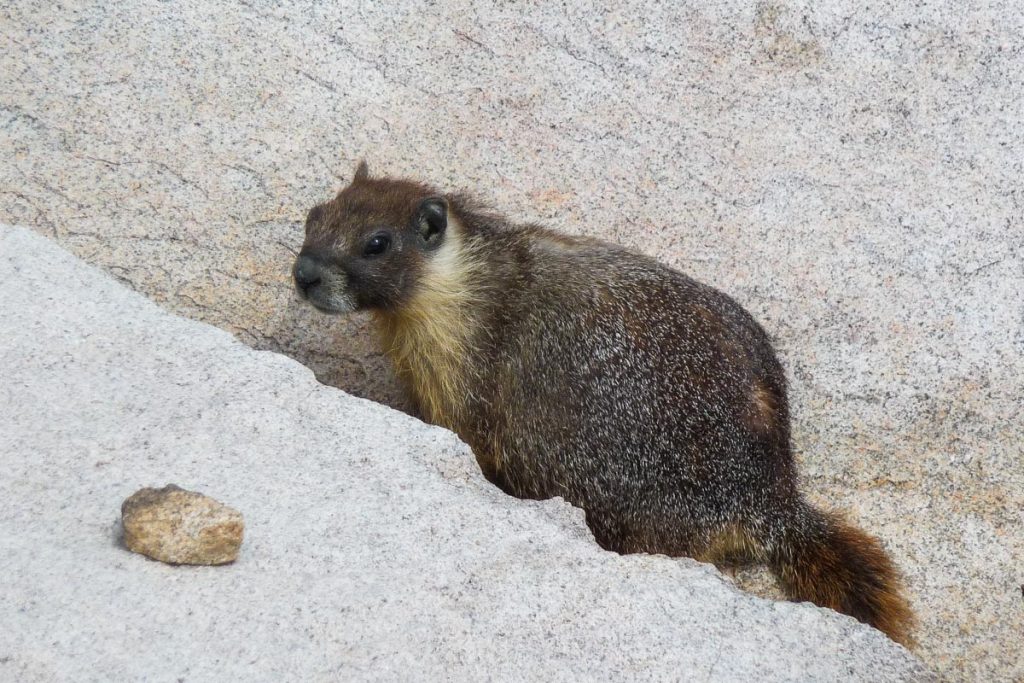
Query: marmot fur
{"points": [[576, 368]]}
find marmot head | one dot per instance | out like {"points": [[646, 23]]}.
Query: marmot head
{"points": [[367, 247]]}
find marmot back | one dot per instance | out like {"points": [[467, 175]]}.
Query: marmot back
{"points": [[576, 368]]}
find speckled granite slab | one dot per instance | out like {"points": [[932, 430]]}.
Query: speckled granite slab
{"points": [[374, 548]]}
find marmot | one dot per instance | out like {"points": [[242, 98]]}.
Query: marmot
{"points": [[576, 368]]}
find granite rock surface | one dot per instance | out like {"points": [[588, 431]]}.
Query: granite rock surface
{"points": [[850, 173], [376, 549]]}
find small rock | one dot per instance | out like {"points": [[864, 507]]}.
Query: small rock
{"points": [[181, 527]]}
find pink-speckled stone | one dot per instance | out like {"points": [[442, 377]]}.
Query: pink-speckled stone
{"points": [[850, 174]]}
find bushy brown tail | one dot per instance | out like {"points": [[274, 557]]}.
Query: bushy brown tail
{"points": [[832, 563]]}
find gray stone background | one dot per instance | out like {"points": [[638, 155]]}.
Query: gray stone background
{"points": [[374, 548], [850, 172]]}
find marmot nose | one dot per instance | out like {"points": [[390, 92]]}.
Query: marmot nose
{"points": [[307, 272]]}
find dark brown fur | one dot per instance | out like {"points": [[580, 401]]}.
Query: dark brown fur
{"points": [[579, 369]]}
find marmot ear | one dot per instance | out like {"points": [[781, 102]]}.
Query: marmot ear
{"points": [[432, 218], [362, 171]]}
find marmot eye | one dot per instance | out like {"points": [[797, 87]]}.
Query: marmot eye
{"points": [[378, 244]]}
